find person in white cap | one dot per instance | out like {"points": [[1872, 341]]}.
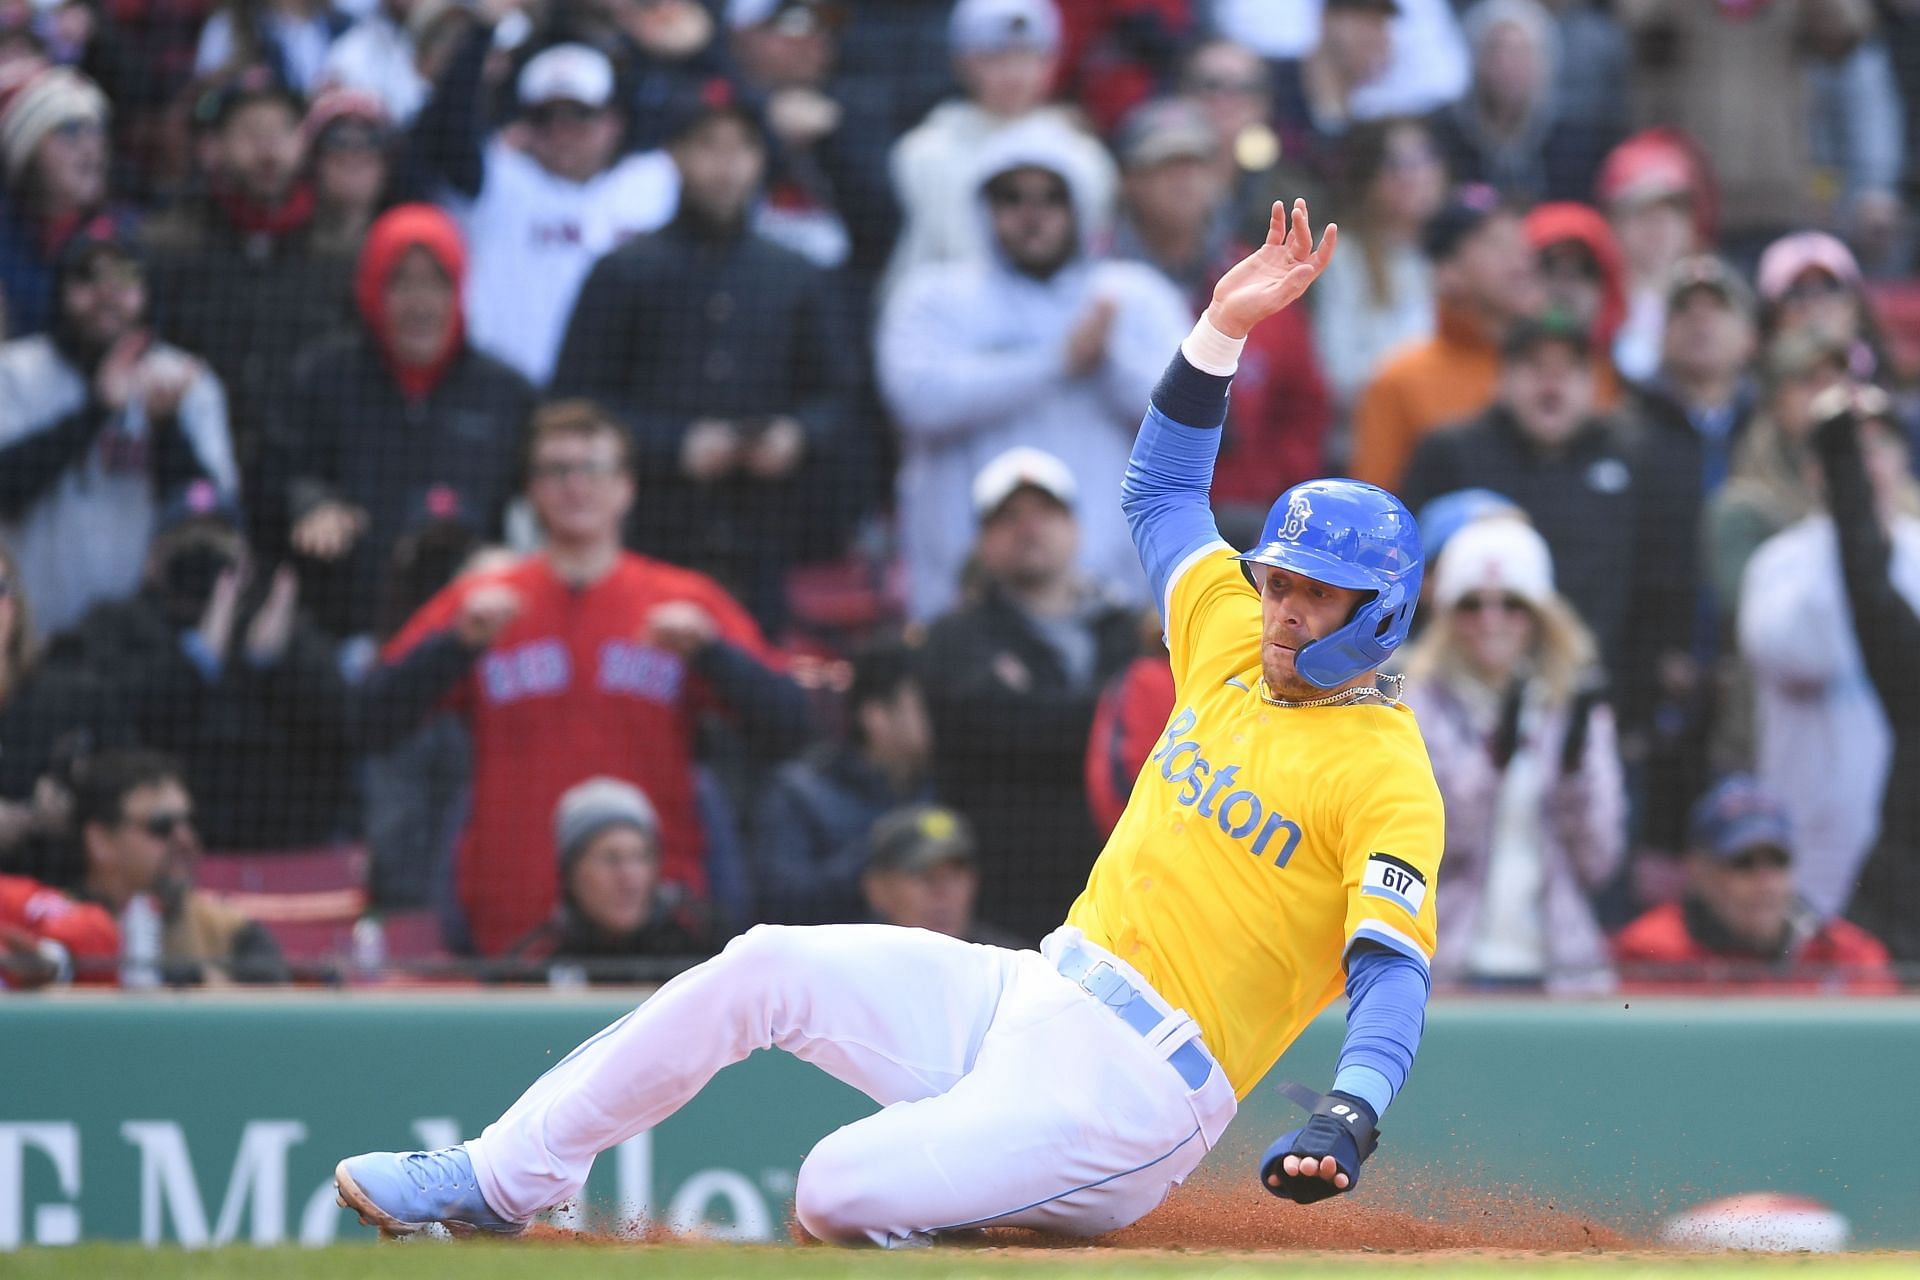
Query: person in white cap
{"points": [[1040, 343], [540, 200], [1012, 678], [1528, 766], [1005, 54]]}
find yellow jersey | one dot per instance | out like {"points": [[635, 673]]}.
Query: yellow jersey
{"points": [[1262, 841]]}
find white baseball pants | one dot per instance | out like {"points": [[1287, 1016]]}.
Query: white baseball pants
{"points": [[1011, 1096]]}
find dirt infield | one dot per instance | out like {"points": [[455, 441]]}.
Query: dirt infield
{"points": [[1226, 1216], [1215, 1214], [519, 1260]]}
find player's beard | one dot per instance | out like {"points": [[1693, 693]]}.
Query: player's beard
{"points": [[1283, 681]]}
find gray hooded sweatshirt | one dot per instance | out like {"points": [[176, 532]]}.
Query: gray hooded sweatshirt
{"points": [[972, 361]]}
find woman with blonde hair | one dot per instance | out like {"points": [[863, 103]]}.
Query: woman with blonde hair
{"points": [[1506, 687]]}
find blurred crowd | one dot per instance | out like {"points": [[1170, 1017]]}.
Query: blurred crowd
{"points": [[525, 489]]}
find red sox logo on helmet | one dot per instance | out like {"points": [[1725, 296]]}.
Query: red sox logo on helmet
{"points": [[1299, 511]]}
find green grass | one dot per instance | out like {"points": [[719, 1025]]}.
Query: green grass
{"points": [[430, 1260]]}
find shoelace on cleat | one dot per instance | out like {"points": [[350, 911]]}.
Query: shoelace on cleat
{"points": [[433, 1171]]}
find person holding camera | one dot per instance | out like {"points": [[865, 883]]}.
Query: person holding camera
{"points": [[1875, 507], [729, 359], [210, 663], [1827, 625]]}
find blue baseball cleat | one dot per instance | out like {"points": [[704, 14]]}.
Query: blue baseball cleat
{"points": [[402, 1192]]}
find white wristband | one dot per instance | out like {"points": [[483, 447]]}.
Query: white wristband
{"points": [[1211, 351]]}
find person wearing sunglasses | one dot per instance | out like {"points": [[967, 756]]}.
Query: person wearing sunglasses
{"points": [[1005, 57], [1044, 342], [137, 850], [1740, 925], [1524, 751]]}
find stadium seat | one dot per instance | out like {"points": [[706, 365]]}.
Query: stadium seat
{"points": [[853, 596], [308, 899], [294, 871]]}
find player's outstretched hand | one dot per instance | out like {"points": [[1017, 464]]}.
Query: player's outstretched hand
{"points": [[1273, 276], [1323, 1157]]}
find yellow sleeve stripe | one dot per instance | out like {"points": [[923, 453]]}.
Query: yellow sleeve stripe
{"points": [[1387, 936]]}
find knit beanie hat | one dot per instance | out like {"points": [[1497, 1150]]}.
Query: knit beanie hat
{"points": [[36, 99], [594, 805]]}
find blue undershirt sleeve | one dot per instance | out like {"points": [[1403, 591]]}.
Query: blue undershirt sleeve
{"points": [[1386, 1012], [1170, 473]]}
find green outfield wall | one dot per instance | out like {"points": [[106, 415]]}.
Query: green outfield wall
{"points": [[207, 1119]]}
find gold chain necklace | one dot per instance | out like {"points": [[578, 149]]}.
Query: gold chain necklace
{"points": [[1344, 698]]}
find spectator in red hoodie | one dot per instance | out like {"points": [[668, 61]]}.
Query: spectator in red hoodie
{"points": [[1582, 275], [1739, 924], [397, 423]]}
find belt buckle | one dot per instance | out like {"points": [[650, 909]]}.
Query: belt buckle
{"points": [[1107, 985]]}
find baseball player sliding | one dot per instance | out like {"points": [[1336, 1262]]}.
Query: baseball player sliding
{"points": [[1281, 844]]}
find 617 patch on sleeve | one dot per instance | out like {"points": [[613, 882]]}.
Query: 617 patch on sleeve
{"points": [[1398, 882]]}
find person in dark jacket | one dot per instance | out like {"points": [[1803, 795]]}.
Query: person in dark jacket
{"points": [[728, 358], [234, 272], [1544, 446], [809, 839], [213, 666], [403, 418], [1692, 418], [1698, 407], [1863, 459], [616, 921], [1012, 678]]}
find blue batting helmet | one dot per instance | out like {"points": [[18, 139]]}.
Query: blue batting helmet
{"points": [[1347, 534]]}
